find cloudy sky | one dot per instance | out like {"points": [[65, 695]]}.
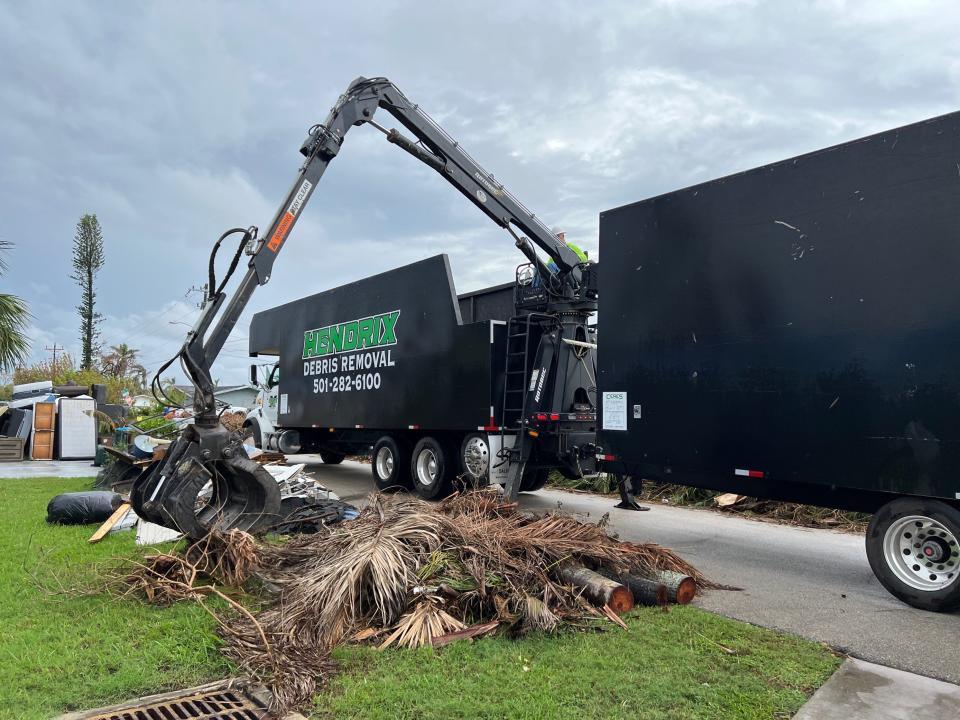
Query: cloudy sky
{"points": [[173, 121]]}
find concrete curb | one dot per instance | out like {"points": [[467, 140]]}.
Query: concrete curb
{"points": [[861, 690]]}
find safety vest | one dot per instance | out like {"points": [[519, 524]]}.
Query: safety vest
{"points": [[579, 253]]}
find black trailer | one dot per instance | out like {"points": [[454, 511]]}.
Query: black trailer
{"points": [[387, 365], [793, 332]]}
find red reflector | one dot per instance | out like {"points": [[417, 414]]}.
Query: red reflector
{"points": [[608, 458], [748, 473], [540, 416]]}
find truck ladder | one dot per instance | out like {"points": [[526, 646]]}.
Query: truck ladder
{"points": [[517, 387]]}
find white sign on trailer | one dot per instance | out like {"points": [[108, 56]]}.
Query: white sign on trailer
{"points": [[615, 410]]}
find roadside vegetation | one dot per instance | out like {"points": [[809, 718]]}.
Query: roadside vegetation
{"points": [[66, 650], [683, 496]]}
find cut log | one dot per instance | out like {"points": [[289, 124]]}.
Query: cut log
{"points": [[646, 592], [664, 588], [681, 588], [598, 589]]}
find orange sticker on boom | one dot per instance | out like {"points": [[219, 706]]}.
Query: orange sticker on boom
{"points": [[286, 222], [282, 229]]}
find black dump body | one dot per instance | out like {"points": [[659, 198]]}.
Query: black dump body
{"points": [[793, 331], [408, 361]]}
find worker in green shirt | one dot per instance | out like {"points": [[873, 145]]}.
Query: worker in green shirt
{"points": [[561, 236]]}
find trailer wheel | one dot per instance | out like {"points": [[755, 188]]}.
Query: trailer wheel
{"points": [[430, 469], [534, 479], [475, 459], [913, 546], [331, 458], [389, 465]]}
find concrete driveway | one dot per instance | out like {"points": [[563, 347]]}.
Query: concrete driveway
{"points": [[814, 583]]}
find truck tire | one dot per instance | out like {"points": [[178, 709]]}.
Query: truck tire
{"points": [[475, 459], [431, 470], [331, 458], [253, 428], [390, 466], [913, 546], [534, 479]]}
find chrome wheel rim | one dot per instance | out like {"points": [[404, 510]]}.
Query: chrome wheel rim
{"points": [[384, 462], [427, 467], [922, 552], [476, 458]]}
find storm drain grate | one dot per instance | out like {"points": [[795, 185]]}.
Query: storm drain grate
{"points": [[209, 705]]}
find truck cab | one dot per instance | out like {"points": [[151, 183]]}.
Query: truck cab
{"points": [[261, 421]]}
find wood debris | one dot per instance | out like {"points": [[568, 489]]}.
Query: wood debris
{"points": [[407, 573]]}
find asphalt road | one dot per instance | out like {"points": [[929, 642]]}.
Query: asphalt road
{"points": [[814, 583]]}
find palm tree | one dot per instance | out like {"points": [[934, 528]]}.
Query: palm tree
{"points": [[14, 317], [121, 361]]}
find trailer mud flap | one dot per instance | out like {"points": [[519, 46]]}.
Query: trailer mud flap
{"points": [[500, 466]]}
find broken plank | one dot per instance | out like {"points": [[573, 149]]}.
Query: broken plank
{"points": [[109, 523]]}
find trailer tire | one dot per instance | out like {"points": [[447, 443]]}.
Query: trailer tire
{"points": [[253, 428], [331, 458], [431, 469], [391, 470], [913, 546], [534, 479]]}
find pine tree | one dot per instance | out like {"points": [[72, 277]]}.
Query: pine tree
{"points": [[87, 261]]}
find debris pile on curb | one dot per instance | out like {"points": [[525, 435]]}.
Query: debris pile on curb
{"points": [[410, 573]]}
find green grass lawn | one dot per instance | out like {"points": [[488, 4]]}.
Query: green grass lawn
{"points": [[685, 664], [59, 652]]}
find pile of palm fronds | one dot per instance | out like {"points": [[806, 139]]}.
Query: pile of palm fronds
{"points": [[404, 573]]}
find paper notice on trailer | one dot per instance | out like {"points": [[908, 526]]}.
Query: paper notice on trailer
{"points": [[615, 411]]}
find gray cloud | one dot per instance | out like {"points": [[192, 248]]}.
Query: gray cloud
{"points": [[176, 120]]}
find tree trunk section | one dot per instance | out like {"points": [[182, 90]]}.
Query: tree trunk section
{"points": [[597, 588], [665, 588]]}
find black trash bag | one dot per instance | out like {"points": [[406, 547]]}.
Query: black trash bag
{"points": [[82, 508]]}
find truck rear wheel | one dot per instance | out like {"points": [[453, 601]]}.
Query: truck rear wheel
{"points": [[391, 470], [534, 479], [430, 469], [475, 459], [913, 546], [331, 458]]}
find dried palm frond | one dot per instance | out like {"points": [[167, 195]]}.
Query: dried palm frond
{"points": [[536, 616], [364, 570], [410, 572], [419, 627]]}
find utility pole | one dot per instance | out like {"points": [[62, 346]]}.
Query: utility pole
{"points": [[54, 350]]}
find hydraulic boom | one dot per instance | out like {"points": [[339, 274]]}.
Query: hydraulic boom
{"points": [[244, 495]]}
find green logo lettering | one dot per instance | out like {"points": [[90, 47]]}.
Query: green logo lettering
{"points": [[367, 332]]}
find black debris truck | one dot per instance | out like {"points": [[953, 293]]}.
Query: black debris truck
{"points": [[793, 332], [431, 385]]}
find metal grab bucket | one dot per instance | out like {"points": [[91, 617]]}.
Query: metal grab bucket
{"points": [[185, 492]]}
